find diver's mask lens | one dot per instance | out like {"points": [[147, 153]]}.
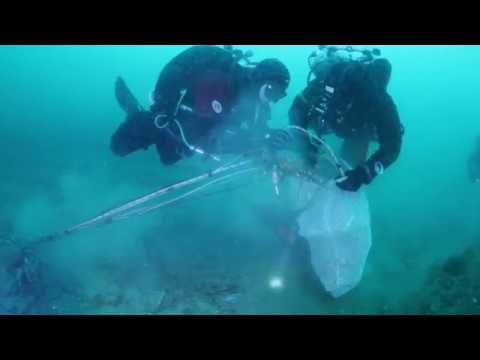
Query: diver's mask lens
{"points": [[272, 92]]}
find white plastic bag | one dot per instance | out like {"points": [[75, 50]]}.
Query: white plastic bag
{"points": [[336, 225]]}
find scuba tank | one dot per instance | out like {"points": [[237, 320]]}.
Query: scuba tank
{"points": [[240, 56], [321, 60], [321, 63], [207, 99]]}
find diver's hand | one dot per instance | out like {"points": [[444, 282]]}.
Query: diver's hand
{"points": [[353, 179], [279, 139]]}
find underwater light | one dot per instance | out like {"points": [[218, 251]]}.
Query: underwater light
{"points": [[276, 283]]}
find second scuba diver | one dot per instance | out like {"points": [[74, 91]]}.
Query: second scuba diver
{"points": [[348, 97]]}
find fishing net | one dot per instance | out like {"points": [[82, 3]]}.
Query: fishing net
{"points": [[336, 224]]}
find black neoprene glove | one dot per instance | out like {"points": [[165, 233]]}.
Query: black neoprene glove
{"points": [[354, 179]]}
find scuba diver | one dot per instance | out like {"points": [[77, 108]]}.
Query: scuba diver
{"points": [[205, 102], [474, 163], [348, 97]]}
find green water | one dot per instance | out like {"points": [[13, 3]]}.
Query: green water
{"points": [[58, 112]]}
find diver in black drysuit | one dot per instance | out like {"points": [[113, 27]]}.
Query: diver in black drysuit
{"points": [[474, 163], [204, 102], [352, 102]]}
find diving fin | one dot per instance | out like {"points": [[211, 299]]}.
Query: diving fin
{"points": [[125, 98]]}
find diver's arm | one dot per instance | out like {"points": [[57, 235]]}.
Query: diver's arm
{"points": [[390, 133]]}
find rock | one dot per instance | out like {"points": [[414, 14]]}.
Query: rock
{"points": [[450, 287], [455, 266]]}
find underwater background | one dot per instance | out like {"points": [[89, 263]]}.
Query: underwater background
{"points": [[215, 254]]}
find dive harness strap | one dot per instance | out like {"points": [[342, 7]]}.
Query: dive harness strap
{"points": [[163, 121]]}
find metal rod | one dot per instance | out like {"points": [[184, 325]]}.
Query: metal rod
{"points": [[109, 216]]}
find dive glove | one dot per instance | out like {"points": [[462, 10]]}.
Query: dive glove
{"points": [[362, 175]]}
